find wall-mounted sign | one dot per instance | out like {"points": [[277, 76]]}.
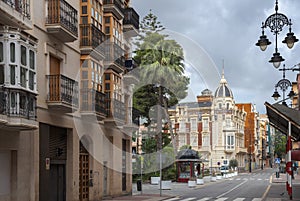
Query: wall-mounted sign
{"points": [[47, 163]]}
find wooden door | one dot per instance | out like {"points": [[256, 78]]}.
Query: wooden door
{"points": [[83, 174]]}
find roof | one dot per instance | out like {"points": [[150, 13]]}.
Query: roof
{"points": [[193, 104], [223, 89], [188, 154], [280, 116]]}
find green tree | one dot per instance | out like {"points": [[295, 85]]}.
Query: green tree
{"points": [[280, 144], [161, 72], [233, 163]]}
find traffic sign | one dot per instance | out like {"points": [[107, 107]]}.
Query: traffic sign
{"points": [[277, 160]]}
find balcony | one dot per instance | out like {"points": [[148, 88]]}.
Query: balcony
{"points": [[15, 13], [114, 58], [241, 150], [229, 149], [131, 22], [63, 94], [115, 112], [115, 7], [17, 109], [93, 104], [91, 39], [133, 121], [61, 20]]}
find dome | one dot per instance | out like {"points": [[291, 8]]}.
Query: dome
{"points": [[206, 92], [223, 90]]}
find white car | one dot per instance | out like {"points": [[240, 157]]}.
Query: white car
{"points": [[224, 169]]}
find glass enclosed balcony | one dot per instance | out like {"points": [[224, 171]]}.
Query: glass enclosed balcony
{"points": [[17, 109], [62, 20]]}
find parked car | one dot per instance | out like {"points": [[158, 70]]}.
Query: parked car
{"points": [[224, 169]]}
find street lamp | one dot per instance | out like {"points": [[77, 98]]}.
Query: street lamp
{"points": [[276, 22], [283, 84]]}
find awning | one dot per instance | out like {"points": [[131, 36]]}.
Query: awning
{"points": [[280, 116]]}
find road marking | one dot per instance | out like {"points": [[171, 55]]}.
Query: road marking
{"points": [[258, 179], [266, 192], [221, 199], [172, 199], [187, 199], [232, 189], [239, 199], [204, 199], [256, 199]]}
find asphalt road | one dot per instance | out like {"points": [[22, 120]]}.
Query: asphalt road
{"points": [[244, 187]]}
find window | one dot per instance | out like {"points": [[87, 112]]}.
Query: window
{"points": [[23, 77], [182, 126], [23, 55], [1, 52], [31, 59], [12, 74], [205, 124], [1, 74], [84, 74], [84, 20], [12, 52], [107, 76], [230, 142], [194, 126], [31, 80], [107, 20], [107, 86], [107, 30], [13, 100], [84, 9]]}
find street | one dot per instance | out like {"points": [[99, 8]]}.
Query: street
{"points": [[245, 186]]}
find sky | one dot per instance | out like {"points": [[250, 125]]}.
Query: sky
{"points": [[217, 33]]}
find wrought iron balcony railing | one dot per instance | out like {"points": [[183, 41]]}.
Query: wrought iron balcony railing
{"points": [[21, 6], [17, 103], [63, 89], [62, 13], [115, 6], [131, 18], [93, 101], [114, 56], [116, 109]]}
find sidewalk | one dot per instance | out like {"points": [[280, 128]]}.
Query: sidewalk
{"points": [[277, 190]]}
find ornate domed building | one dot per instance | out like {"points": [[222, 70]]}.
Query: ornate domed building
{"points": [[214, 126], [228, 122]]}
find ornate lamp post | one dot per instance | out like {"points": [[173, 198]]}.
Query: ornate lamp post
{"points": [[276, 22], [283, 84]]}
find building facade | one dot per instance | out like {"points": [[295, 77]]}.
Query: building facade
{"points": [[66, 89], [213, 125]]}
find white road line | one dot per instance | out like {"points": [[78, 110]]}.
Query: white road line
{"points": [[188, 199], [204, 199], [239, 199], [172, 199], [221, 199], [256, 199], [231, 189]]}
